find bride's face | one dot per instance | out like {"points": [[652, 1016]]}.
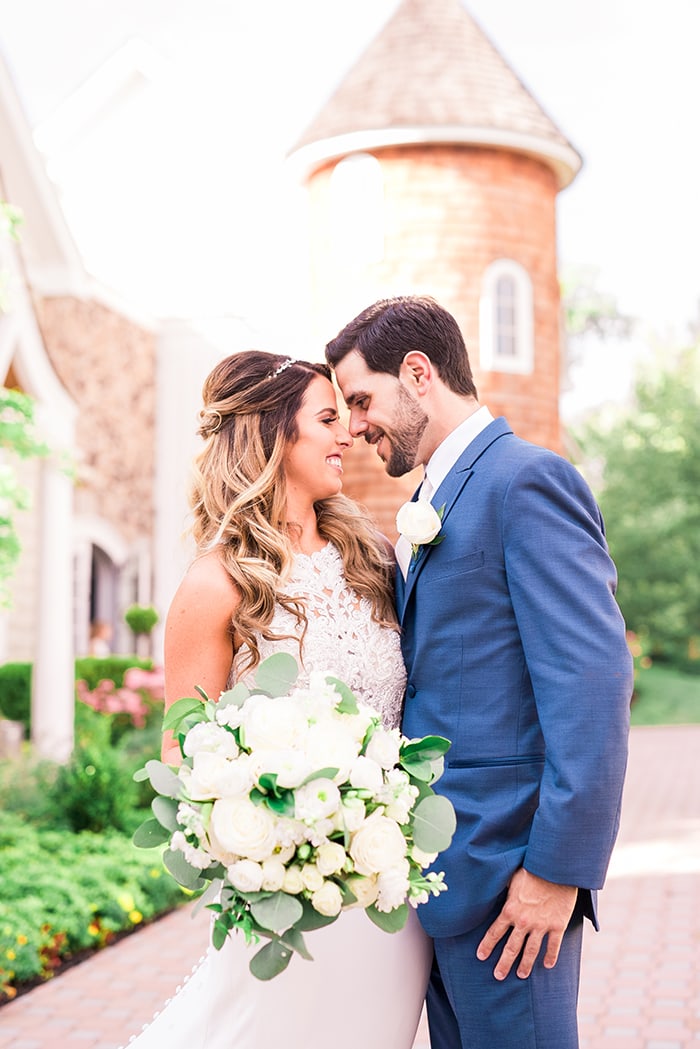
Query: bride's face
{"points": [[313, 464]]}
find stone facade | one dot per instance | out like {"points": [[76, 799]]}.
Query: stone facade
{"points": [[107, 363]]}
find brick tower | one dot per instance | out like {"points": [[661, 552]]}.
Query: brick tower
{"points": [[433, 170]]}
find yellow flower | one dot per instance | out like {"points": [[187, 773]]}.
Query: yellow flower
{"points": [[22, 939], [93, 929], [154, 872], [135, 917], [10, 954], [126, 901]]}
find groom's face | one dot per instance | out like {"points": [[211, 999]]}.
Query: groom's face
{"points": [[383, 412]]}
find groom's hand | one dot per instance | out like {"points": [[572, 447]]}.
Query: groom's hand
{"points": [[534, 908]]}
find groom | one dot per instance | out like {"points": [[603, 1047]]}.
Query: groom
{"points": [[515, 650]]}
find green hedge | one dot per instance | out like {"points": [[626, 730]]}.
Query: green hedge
{"points": [[16, 681], [65, 892]]}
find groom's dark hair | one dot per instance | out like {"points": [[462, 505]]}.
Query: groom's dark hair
{"points": [[385, 332]]}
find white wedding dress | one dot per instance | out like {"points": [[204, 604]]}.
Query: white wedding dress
{"points": [[365, 988]]}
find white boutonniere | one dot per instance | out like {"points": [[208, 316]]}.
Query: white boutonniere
{"points": [[419, 522]]}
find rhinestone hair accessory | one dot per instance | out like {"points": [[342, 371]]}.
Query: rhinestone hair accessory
{"points": [[283, 367]]}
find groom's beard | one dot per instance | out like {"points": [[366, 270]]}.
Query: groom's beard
{"points": [[408, 426]]}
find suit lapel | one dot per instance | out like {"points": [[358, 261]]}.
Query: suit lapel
{"points": [[447, 495]]}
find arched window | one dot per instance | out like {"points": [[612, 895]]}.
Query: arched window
{"points": [[506, 339], [357, 210]]}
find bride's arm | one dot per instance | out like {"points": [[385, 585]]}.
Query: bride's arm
{"points": [[198, 638]]}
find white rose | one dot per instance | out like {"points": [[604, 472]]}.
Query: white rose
{"points": [[292, 881], [366, 774], [316, 800], [311, 877], [245, 875], [383, 747], [331, 746], [418, 521], [377, 846], [328, 899], [275, 724], [242, 828], [330, 858], [215, 776], [393, 887], [208, 736], [272, 874], [364, 889]]}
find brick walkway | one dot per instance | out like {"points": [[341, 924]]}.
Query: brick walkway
{"points": [[641, 974]]}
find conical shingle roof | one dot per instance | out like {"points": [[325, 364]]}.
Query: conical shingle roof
{"points": [[432, 75]]}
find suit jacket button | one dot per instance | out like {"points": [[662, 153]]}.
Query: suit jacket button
{"points": [[411, 691]]}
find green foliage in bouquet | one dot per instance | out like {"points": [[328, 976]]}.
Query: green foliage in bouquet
{"points": [[285, 813]]}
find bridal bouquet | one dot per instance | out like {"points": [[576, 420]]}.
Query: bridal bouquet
{"points": [[293, 803]]}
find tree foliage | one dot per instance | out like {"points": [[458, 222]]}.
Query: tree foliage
{"points": [[650, 498]]}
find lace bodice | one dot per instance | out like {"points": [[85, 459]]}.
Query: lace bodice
{"points": [[341, 636]]}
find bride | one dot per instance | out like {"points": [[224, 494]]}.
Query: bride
{"points": [[286, 563]]}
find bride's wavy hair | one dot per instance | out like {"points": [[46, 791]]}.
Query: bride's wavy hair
{"points": [[238, 497]]}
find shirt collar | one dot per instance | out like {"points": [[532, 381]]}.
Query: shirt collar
{"points": [[448, 452]]}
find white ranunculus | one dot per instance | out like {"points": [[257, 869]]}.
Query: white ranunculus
{"points": [[364, 889], [331, 746], [208, 736], [290, 766], [366, 774], [273, 874], [423, 859], [216, 776], [327, 900], [330, 858], [352, 814], [246, 875], [418, 521], [316, 800], [242, 828], [377, 846], [292, 881], [393, 887], [275, 724], [311, 877], [383, 747]]}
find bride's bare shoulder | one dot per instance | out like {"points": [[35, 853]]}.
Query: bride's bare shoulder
{"points": [[206, 581]]}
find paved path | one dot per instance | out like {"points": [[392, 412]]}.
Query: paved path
{"points": [[641, 974]]}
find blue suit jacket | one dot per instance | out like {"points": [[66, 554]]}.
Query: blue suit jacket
{"points": [[515, 650]]}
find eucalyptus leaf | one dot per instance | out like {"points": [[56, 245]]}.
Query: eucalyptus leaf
{"points": [[327, 773], [276, 675], [235, 696], [179, 710], [210, 893], [165, 811], [183, 873], [348, 701], [434, 823], [391, 921], [270, 960], [293, 938], [150, 834], [429, 747], [140, 775], [277, 912], [219, 933], [163, 779], [311, 919]]}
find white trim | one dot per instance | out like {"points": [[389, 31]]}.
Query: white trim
{"points": [[522, 363], [562, 158]]}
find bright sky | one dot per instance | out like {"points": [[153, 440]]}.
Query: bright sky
{"points": [[187, 207]]}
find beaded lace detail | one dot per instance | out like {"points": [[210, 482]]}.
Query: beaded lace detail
{"points": [[341, 636]]}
